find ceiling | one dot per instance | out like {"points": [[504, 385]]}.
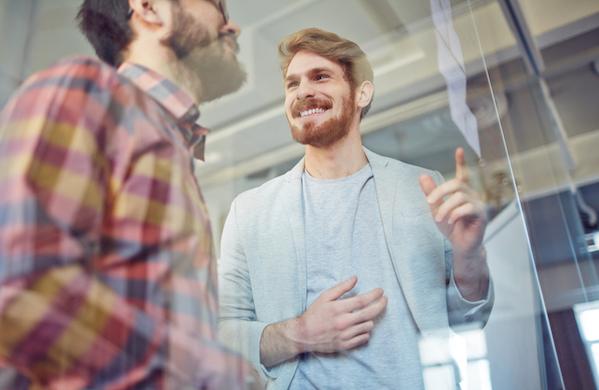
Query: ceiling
{"points": [[249, 130]]}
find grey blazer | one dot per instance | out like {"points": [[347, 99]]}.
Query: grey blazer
{"points": [[262, 268]]}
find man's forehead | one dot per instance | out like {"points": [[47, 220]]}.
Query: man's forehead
{"points": [[305, 62]]}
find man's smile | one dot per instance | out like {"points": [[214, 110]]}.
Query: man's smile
{"points": [[311, 109], [312, 112]]}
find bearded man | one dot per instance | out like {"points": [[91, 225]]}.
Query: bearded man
{"points": [[107, 275], [331, 272]]}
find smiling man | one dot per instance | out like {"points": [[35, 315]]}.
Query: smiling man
{"points": [[107, 273], [331, 272]]}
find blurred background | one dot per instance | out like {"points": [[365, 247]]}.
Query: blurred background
{"points": [[527, 73]]}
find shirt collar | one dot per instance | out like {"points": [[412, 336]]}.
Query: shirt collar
{"points": [[174, 100]]}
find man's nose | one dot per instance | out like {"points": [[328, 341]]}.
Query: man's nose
{"points": [[305, 91], [231, 28]]}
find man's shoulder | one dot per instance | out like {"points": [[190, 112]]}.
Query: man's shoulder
{"points": [[61, 85], [263, 194], [83, 85], [80, 91], [85, 62], [88, 73]]}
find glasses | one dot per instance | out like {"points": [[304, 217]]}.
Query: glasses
{"points": [[220, 4], [222, 7]]}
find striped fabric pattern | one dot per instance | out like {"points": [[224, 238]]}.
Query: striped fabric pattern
{"points": [[107, 275]]}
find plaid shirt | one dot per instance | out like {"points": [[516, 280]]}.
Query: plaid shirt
{"points": [[107, 275]]}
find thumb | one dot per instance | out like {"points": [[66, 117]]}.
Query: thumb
{"points": [[427, 184], [338, 290]]}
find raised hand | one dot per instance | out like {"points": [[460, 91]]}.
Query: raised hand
{"points": [[457, 209]]}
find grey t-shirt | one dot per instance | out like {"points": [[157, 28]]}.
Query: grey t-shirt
{"points": [[344, 237]]}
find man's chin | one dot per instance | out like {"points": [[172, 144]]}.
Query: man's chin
{"points": [[224, 84], [321, 135], [220, 76], [309, 136]]}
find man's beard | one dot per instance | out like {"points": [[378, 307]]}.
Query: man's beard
{"points": [[205, 63], [329, 132]]}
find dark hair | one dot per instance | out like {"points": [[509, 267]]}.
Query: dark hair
{"points": [[331, 46], [105, 24]]}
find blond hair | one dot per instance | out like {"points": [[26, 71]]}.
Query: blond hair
{"points": [[344, 52]]}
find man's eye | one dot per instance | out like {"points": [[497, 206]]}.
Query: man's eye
{"points": [[322, 76], [291, 85]]}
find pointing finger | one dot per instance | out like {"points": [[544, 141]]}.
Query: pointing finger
{"points": [[461, 170]]}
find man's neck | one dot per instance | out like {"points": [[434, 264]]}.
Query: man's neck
{"points": [[341, 159], [163, 61]]}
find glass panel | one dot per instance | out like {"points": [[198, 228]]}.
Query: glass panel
{"points": [[412, 121], [513, 83], [547, 120]]}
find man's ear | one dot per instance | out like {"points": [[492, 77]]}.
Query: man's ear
{"points": [[147, 11], [364, 94]]}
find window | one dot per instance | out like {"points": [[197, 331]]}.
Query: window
{"points": [[587, 317], [456, 358]]}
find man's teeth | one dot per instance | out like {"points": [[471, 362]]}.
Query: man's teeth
{"points": [[312, 112]]}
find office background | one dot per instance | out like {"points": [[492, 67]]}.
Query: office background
{"points": [[531, 69]]}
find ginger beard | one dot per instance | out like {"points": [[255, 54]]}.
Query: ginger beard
{"points": [[209, 64], [327, 133]]}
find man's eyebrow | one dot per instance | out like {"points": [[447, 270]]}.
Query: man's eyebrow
{"points": [[291, 77], [310, 72], [320, 70]]}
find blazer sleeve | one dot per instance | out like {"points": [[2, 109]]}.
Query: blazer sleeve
{"points": [[238, 326], [461, 311]]}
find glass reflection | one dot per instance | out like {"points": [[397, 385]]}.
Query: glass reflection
{"points": [[521, 75]]}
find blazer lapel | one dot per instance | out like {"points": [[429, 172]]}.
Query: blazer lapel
{"points": [[387, 182], [292, 194]]}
